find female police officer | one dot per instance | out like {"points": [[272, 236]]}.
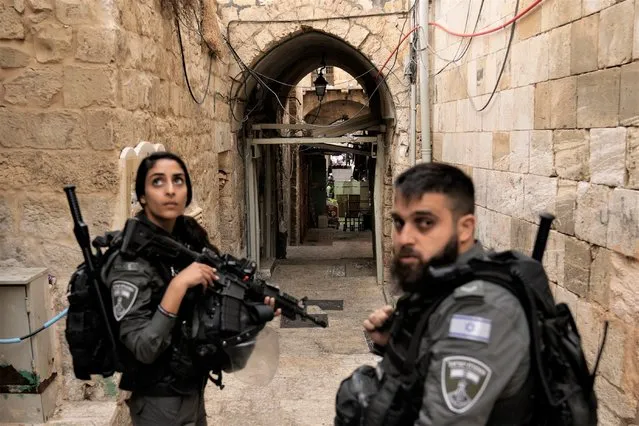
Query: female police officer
{"points": [[152, 301]]}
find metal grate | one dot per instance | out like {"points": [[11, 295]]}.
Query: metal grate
{"points": [[299, 323], [327, 304]]}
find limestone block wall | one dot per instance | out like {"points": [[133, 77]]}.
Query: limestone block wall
{"points": [[79, 81], [561, 134]]}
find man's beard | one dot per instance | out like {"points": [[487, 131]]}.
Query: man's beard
{"points": [[411, 279]]}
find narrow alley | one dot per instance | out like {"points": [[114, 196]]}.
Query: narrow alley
{"points": [[335, 269]]}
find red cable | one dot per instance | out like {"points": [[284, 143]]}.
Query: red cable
{"points": [[435, 24], [395, 50], [492, 30]]}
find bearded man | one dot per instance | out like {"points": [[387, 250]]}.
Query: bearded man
{"points": [[474, 353]]}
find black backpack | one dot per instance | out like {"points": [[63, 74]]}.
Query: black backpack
{"points": [[563, 385], [91, 329]]}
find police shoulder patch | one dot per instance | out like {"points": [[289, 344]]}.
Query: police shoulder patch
{"points": [[464, 380], [123, 295]]}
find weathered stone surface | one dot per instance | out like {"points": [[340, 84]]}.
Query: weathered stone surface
{"points": [[572, 155], [623, 229], [541, 153], [10, 22], [615, 34], [635, 50], [624, 299], [593, 6], [607, 156], [566, 204], [34, 86], [40, 170], [577, 266], [542, 105], [18, 5], [522, 235], [592, 215], [11, 57], [480, 180], [6, 216], [584, 44], [52, 41], [524, 71], [519, 151], [135, 89], [540, 194], [559, 12], [632, 158], [497, 240], [589, 319], [598, 99], [40, 5], [96, 45], [600, 275], [89, 86], [73, 12], [506, 193], [562, 295], [563, 103], [356, 35], [619, 403], [501, 150], [613, 357], [559, 45], [628, 105], [525, 108]]}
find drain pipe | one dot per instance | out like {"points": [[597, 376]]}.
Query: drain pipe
{"points": [[411, 71], [424, 101]]}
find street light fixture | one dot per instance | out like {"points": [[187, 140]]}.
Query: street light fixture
{"points": [[320, 86], [320, 82]]}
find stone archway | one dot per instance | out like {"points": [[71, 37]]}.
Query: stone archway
{"points": [[282, 53]]}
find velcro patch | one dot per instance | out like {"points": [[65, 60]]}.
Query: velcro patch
{"points": [[470, 328], [464, 380], [123, 295], [471, 289]]}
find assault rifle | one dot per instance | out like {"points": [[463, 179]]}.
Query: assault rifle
{"points": [[236, 276]]}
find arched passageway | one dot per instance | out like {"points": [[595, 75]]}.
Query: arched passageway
{"points": [[278, 215]]}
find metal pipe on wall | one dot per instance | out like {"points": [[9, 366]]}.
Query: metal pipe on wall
{"points": [[411, 72], [424, 101]]}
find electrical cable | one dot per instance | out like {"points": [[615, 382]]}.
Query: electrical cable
{"points": [[501, 71], [186, 75], [470, 40], [492, 30], [45, 326]]}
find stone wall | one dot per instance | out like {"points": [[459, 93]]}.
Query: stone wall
{"points": [[79, 81], [561, 134]]}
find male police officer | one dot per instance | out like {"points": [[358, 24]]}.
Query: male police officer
{"points": [[477, 340]]}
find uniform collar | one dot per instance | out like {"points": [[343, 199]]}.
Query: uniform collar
{"points": [[475, 252]]}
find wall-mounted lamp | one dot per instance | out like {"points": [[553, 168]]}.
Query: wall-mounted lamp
{"points": [[320, 82]]}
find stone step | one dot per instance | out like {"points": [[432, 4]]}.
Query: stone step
{"points": [[88, 413]]}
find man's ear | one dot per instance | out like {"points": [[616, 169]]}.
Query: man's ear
{"points": [[466, 228]]}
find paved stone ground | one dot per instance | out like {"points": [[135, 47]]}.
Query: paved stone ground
{"points": [[313, 361]]}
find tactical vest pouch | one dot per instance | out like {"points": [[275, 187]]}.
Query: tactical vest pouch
{"points": [[365, 398], [564, 393], [86, 331]]}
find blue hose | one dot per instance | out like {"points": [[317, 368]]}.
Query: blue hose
{"points": [[45, 326]]}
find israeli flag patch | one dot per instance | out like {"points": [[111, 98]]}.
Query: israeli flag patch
{"points": [[470, 328]]}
